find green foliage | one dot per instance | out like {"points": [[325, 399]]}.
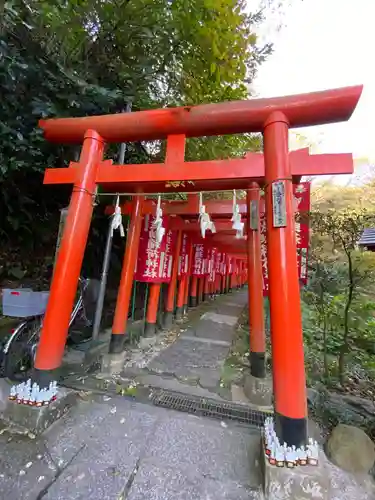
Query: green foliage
{"points": [[237, 361], [339, 303], [88, 57]]}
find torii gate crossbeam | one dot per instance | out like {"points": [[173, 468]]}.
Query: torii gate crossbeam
{"points": [[200, 175], [235, 117]]}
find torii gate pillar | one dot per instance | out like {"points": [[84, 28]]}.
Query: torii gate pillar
{"points": [[169, 308], [69, 261], [288, 367], [188, 281], [255, 284]]}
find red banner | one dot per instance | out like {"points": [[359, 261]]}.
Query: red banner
{"points": [[166, 257], [212, 265], [302, 206], [237, 264], [198, 260], [302, 194], [206, 259], [218, 263], [231, 265], [223, 266], [183, 262], [148, 267], [154, 262]]}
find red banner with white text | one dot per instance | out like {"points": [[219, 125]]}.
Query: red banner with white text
{"points": [[212, 264], [148, 267], [154, 262], [302, 208], [167, 259], [198, 260], [183, 263]]}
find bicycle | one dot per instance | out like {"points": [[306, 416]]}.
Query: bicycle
{"points": [[19, 350]]}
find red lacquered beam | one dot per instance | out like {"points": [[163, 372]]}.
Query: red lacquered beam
{"points": [[315, 108], [249, 168]]}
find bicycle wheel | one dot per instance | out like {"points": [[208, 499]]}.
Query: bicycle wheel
{"points": [[20, 351]]}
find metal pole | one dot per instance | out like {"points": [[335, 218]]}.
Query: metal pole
{"points": [[134, 299], [107, 254], [103, 282]]}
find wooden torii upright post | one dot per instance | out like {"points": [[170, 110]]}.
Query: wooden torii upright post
{"points": [[273, 117]]}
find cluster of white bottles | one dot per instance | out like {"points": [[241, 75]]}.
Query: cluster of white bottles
{"points": [[31, 394], [282, 455]]}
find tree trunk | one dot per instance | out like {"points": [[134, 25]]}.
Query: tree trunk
{"points": [[324, 329], [325, 359], [345, 341]]}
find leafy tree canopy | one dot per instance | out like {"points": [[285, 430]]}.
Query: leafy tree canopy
{"points": [[82, 57]]}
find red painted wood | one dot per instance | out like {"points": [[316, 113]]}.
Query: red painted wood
{"points": [[69, 260], [315, 108], [201, 175], [284, 291]]}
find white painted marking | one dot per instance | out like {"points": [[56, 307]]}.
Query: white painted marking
{"points": [[220, 318]]}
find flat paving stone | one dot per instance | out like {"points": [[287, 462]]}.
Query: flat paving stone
{"points": [[80, 423], [92, 479], [209, 379], [184, 358], [25, 469], [228, 309], [228, 490], [208, 329], [232, 304], [206, 448], [111, 450], [154, 482], [220, 318]]}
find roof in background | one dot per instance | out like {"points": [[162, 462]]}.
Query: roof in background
{"points": [[367, 238]]}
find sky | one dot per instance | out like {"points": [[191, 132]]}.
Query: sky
{"points": [[326, 44]]}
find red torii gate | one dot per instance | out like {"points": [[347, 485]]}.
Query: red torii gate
{"points": [[186, 212], [273, 117]]}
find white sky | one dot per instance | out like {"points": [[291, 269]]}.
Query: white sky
{"points": [[326, 44]]}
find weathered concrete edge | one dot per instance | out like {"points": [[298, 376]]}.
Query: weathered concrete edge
{"points": [[304, 483], [37, 420]]}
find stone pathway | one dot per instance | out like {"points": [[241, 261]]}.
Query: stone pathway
{"points": [[113, 448], [116, 449], [193, 362]]}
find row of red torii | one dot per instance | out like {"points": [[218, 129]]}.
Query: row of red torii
{"points": [[276, 171]]}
